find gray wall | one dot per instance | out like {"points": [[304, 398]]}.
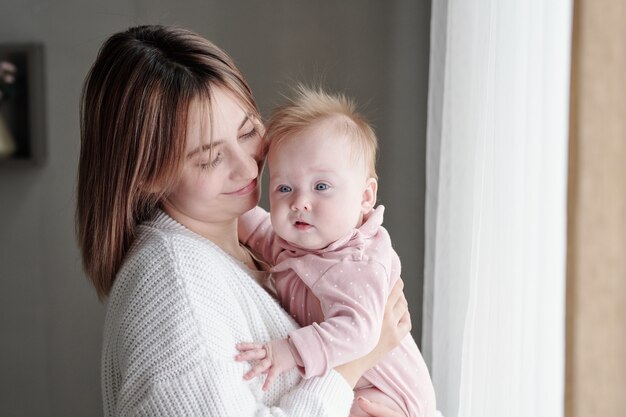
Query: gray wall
{"points": [[50, 320]]}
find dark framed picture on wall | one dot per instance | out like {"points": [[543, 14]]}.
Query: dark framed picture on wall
{"points": [[22, 129]]}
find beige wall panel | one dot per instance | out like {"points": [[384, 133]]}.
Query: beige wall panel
{"points": [[596, 312]]}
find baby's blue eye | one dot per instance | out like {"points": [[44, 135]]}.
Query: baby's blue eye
{"points": [[283, 189], [321, 186]]}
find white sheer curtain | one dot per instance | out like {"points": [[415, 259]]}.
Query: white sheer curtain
{"points": [[494, 300]]}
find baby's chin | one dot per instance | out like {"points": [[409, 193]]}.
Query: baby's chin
{"points": [[306, 245]]}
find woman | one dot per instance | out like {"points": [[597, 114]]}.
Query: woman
{"points": [[171, 154]]}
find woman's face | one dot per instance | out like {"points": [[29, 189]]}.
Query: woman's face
{"points": [[224, 158]]}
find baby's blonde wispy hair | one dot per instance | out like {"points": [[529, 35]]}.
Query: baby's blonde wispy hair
{"points": [[309, 105]]}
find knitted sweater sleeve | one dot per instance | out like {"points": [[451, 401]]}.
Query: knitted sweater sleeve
{"points": [[206, 391], [169, 346]]}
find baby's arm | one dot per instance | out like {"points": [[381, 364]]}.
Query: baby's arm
{"points": [[255, 230], [279, 356], [352, 296]]}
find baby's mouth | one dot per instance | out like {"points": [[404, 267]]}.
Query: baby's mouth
{"points": [[300, 225]]}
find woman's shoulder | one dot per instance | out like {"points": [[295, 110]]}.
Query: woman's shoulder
{"points": [[162, 246], [165, 235], [167, 261], [149, 280], [184, 280], [168, 308]]}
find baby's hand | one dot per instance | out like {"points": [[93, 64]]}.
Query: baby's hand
{"points": [[273, 358]]}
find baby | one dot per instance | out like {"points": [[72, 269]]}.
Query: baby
{"points": [[334, 265]]}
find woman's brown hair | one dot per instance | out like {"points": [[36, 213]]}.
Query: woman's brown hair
{"points": [[133, 127]]}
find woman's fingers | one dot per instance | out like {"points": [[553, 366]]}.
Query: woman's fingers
{"points": [[375, 409], [398, 313], [396, 302], [406, 319], [396, 292], [404, 325], [401, 306]]}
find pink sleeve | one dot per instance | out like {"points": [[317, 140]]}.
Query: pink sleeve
{"points": [[298, 299], [352, 296], [255, 230]]}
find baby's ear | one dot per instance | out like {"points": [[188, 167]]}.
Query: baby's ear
{"points": [[369, 195]]}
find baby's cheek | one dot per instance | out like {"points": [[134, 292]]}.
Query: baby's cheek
{"points": [[279, 222]]}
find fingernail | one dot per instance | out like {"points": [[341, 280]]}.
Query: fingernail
{"points": [[365, 400]]}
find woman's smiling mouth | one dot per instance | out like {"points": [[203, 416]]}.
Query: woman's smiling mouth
{"points": [[245, 190]]}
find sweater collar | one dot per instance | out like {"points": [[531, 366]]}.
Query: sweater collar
{"points": [[162, 220]]}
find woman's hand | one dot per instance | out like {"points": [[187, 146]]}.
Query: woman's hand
{"points": [[396, 325], [376, 410]]}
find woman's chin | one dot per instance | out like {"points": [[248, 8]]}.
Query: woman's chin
{"points": [[252, 201]]}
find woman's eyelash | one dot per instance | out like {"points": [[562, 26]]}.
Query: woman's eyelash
{"points": [[213, 163], [218, 158], [250, 134]]}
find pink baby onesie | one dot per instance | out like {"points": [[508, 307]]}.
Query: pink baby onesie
{"points": [[338, 295]]}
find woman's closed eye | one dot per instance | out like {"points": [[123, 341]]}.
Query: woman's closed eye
{"points": [[211, 164], [250, 134]]}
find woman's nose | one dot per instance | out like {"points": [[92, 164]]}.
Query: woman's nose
{"points": [[246, 165]]}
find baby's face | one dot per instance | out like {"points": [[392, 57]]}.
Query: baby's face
{"points": [[318, 191]]}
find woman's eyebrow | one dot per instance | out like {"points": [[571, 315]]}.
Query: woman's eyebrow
{"points": [[246, 117], [204, 148], [213, 143]]}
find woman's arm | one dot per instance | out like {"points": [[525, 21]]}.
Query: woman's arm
{"points": [[215, 389], [353, 316], [396, 324], [170, 336]]}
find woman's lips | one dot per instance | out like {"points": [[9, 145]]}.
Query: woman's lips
{"points": [[245, 190]]}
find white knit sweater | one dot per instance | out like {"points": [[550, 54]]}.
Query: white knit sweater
{"points": [[178, 307]]}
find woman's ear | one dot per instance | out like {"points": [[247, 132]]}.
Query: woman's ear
{"points": [[369, 195]]}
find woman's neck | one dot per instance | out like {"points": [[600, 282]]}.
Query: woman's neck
{"points": [[223, 233]]}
